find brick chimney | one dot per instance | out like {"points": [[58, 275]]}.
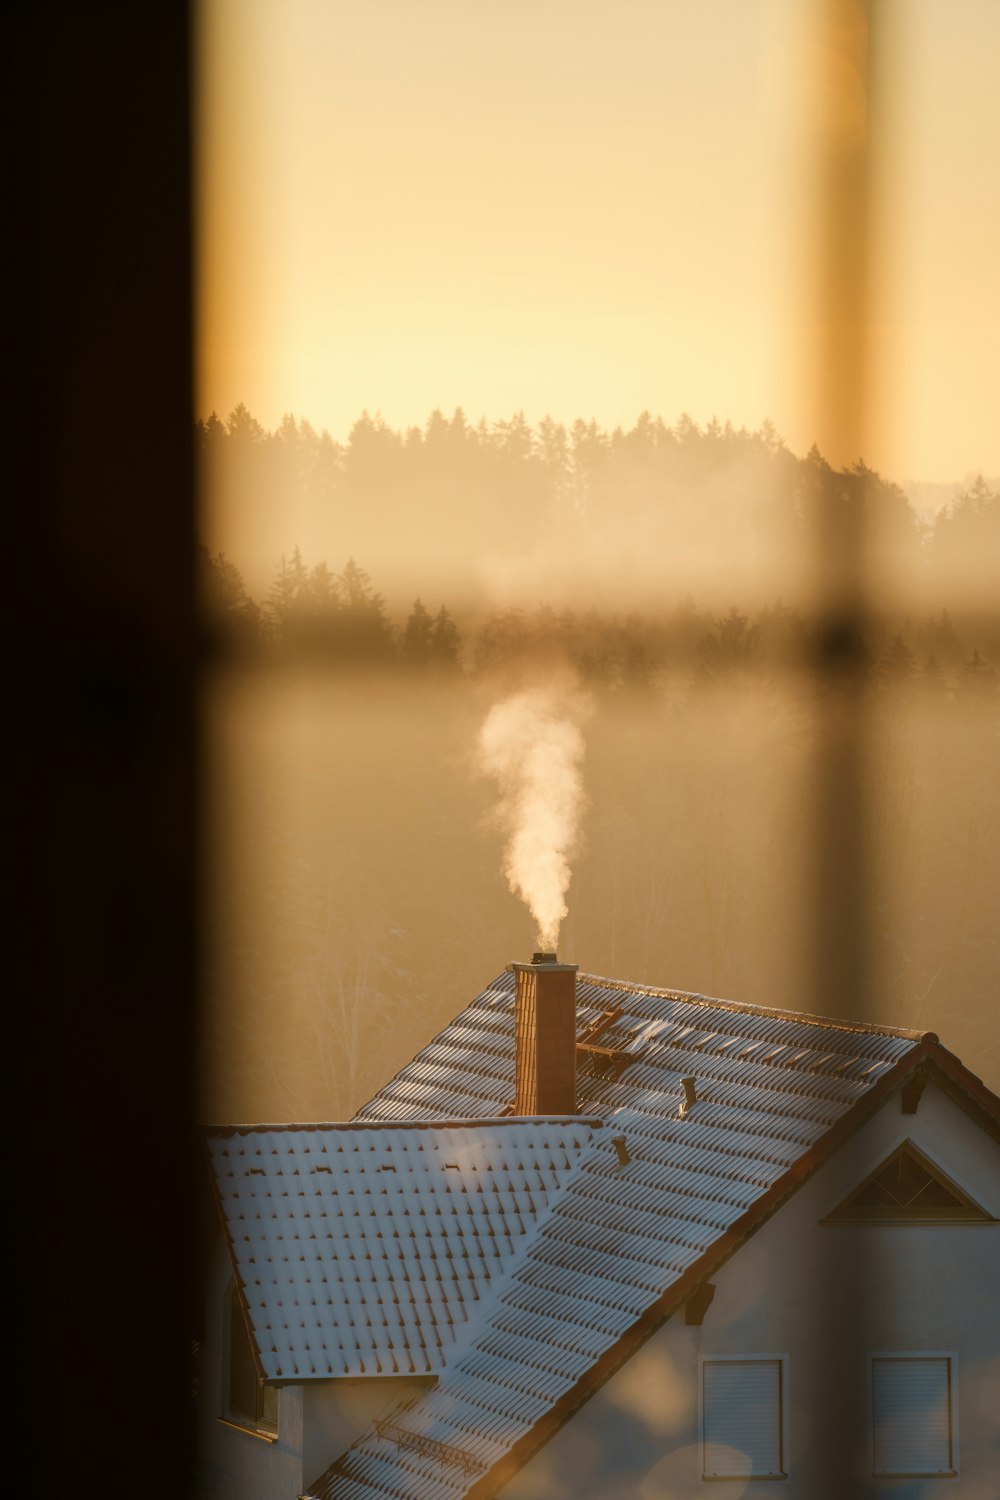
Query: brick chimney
{"points": [[544, 1037]]}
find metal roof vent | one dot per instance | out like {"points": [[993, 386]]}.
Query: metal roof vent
{"points": [[621, 1148], [690, 1096]]}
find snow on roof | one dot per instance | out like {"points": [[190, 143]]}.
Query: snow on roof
{"points": [[622, 1244], [361, 1250]]}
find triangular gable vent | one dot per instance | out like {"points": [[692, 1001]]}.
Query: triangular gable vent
{"points": [[908, 1188]]}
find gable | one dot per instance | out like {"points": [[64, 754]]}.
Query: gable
{"points": [[908, 1188], [639, 1432]]}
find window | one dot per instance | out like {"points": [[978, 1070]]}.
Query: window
{"points": [[913, 1414], [250, 1402], [743, 1429], [908, 1188]]}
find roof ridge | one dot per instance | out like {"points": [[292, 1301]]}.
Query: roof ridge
{"points": [[875, 1028], [459, 1122]]}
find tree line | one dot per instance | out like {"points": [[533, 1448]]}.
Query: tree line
{"points": [[451, 492], [313, 614]]}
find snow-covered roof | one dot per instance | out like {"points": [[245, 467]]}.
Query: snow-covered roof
{"points": [[363, 1249], [622, 1244]]}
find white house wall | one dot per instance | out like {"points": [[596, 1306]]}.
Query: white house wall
{"points": [[335, 1412], [234, 1464], [316, 1422], [826, 1297]]}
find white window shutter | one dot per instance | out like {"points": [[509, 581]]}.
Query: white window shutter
{"points": [[912, 1415], [742, 1417]]}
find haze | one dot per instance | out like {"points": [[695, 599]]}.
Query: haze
{"points": [[586, 210]]}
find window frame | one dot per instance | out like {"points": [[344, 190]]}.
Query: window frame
{"points": [[902, 1355], [783, 1362], [258, 1425]]}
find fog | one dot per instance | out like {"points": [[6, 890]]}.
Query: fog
{"points": [[357, 899], [503, 512]]}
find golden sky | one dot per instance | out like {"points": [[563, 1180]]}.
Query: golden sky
{"points": [[584, 209]]}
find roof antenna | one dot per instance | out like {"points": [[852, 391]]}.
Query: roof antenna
{"points": [[690, 1096]]}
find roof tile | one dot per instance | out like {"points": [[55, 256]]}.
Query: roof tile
{"points": [[362, 1249]]}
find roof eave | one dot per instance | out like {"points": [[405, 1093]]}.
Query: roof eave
{"points": [[965, 1087]]}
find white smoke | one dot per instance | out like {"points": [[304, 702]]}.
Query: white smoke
{"points": [[532, 744]]}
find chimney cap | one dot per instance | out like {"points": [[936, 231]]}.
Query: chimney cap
{"points": [[546, 961]]}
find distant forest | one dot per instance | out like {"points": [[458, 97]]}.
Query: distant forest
{"points": [[460, 489]]}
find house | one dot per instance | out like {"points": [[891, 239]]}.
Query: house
{"points": [[604, 1240]]}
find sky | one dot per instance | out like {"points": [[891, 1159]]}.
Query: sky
{"points": [[574, 208]]}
